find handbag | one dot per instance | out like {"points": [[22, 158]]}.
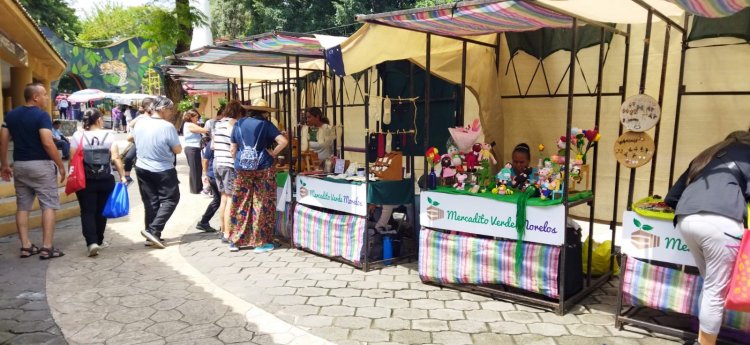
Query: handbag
{"points": [[249, 156], [76, 172], [118, 203], [738, 294]]}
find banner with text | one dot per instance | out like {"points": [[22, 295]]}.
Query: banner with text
{"points": [[344, 197], [488, 217], [654, 239]]}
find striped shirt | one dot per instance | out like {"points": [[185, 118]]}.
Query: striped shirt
{"points": [[222, 141]]}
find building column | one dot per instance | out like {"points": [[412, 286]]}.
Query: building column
{"points": [[48, 101], [19, 78]]}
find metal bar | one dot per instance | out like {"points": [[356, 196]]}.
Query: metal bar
{"points": [[462, 105], [333, 100], [242, 86], [367, 160], [597, 121], [623, 90], [299, 95], [715, 93], [678, 110], [657, 131], [568, 128], [603, 94], [325, 90], [412, 94], [480, 43], [427, 94], [341, 112], [229, 90], [618, 307], [497, 52]]}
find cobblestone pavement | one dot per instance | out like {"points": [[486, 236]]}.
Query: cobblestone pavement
{"points": [[197, 292]]}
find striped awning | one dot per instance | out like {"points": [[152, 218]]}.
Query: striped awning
{"points": [[712, 8], [280, 43], [471, 18]]}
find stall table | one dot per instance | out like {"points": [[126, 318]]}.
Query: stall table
{"points": [[653, 250], [330, 217]]}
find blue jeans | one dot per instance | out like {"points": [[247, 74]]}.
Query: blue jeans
{"points": [[64, 146]]}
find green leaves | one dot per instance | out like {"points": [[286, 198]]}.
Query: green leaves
{"points": [[432, 202], [642, 226], [637, 223], [108, 54], [647, 227]]}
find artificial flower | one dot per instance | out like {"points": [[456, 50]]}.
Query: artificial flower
{"points": [[541, 147]]}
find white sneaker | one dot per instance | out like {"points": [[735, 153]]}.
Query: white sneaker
{"points": [[94, 249]]}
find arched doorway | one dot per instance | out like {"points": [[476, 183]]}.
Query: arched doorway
{"points": [[70, 83]]}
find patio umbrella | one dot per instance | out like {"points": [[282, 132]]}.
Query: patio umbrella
{"points": [[86, 95], [61, 97]]}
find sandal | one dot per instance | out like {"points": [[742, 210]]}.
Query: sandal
{"points": [[32, 250], [51, 253]]}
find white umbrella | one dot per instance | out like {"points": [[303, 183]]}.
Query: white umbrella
{"points": [[127, 98], [86, 95]]}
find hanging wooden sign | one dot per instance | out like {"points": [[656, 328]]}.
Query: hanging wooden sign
{"points": [[640, 113], [634, 149]]}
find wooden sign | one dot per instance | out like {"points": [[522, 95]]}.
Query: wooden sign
{"points": [[640, 113], [634, 149]]}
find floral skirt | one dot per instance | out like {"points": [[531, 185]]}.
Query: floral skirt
{"points": [[253, 208]]}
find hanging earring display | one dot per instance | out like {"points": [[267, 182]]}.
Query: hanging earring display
{"points": [[640, 113], [387, 111], [634, 149]]}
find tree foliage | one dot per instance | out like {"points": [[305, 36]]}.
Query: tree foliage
{"points": [[108, 23], [56, 15], [230, 18]]}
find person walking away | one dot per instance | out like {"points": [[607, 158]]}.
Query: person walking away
{"points": [[62, 107], [192, 134], [123, 117], [253, 209], [710, 201], [144, 112], [157, 143], [208, 169], [61, 142], [224, 163], [98, 151], [116, 115], [36, 163]]}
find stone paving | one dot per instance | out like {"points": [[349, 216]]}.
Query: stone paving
{"points": [[197, 292]]}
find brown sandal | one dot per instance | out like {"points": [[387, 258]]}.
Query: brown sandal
{"points": [[31, 250], [51, 253]]}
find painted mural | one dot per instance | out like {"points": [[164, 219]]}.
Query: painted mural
{"points": [[117, 68]]}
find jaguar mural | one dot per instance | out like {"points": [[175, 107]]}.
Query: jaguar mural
{"points": [[118, 68]]}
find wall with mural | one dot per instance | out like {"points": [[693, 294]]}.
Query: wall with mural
{"points": [[117, 68]]}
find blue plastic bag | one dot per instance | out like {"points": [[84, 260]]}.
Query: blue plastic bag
{"points": [[118, 204]]}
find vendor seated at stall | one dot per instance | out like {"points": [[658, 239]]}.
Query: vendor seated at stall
{"points": [[320, 134], [521, 172]]}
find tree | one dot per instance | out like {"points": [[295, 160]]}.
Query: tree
{"points": [[111, 22], [230, 18], [56, 15]]}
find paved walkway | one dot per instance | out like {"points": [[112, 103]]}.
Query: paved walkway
{"points": [[196, 292]]}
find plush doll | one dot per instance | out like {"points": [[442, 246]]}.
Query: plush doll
{"points": [[575, 173], [447, 173], [472, 158], [521, 181], [503, 177], [464, 137], [460, 181], [455, 155], [485, 175], [486, 154]]}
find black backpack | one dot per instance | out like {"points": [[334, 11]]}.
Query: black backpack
{"points": [[97, 158]]}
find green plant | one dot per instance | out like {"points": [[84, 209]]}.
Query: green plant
{"points": [[185, 104]]}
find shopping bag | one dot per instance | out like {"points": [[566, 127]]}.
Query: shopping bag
{"points": [[117, 204], [738, 294], [600, 254], [76, 172]]}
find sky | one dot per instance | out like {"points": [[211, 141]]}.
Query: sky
{"points": [[84, 6]]}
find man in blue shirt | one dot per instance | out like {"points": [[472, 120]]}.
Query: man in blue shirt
{"points": [[156, 144], [61, 142], [36, 163]]}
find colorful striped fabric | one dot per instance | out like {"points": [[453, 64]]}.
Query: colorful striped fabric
{"points": [[461, 259], [668, 289], [244, 58], [332, 235], [712, 8], [282, 222], [469, 19], [282, 44]]}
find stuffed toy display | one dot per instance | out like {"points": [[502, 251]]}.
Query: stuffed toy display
{"points": [[472, 157]]}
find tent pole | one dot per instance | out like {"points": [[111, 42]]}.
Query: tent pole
{"points": [[568, 128], [229, 91], [641, 90], [497, 53], [426, 135], [296, 84], [325, 90], [680, 93], [462, 105], [367, 160], [334, 100], [623, 92], [662, 85], [597, 120], [412, 94], [242, 86], [341, 113]]}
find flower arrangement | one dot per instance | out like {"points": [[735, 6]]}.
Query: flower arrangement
{"points": [[432, 156], [581, 141]]}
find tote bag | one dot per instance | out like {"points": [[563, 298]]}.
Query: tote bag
{"points": [[118, 204], [738, 295], [76, 172]]}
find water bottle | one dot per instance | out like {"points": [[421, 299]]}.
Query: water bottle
{"points": [[387, 249]]}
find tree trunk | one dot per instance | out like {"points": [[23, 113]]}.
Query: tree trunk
{"points": [[172, 88]]}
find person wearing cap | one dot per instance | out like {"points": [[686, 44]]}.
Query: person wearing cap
{"points": [[253, 208], [157, 143]]}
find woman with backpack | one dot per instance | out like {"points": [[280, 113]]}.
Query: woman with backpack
{"points": [[98, 153]]}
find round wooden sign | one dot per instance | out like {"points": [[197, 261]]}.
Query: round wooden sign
{"points": [[634, 149], [640, 113]]}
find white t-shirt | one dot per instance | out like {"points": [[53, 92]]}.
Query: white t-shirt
{"points": [[90, 135]]}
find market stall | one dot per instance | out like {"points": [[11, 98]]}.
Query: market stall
{"points": [[659, 272]]}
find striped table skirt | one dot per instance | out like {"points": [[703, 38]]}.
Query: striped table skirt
{"points": [[333, 235], [668, 289], [456, 258]]}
